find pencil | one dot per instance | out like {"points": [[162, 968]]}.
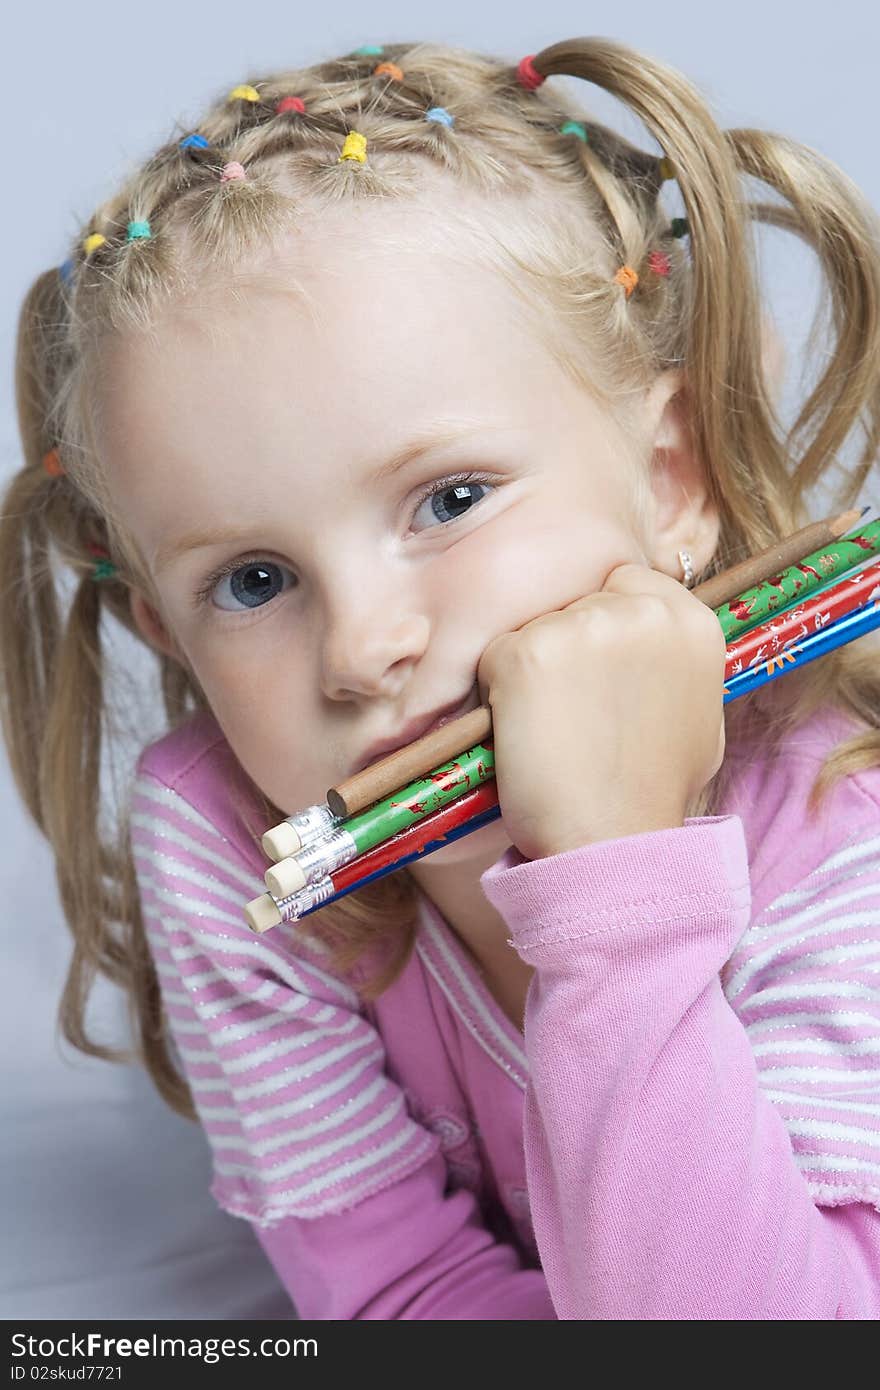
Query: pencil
{"points": [[479, 806], [440, 745]]}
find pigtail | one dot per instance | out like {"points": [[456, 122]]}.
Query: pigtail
{"points": [[720, 332], [830, 214], [53, 698]]}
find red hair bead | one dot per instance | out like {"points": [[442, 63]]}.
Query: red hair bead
{"points": [[527, 74], [289, 104]]}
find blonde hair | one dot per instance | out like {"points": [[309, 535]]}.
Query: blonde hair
{"points": [[587, 207]]}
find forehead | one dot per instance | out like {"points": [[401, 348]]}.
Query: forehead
{"points": [[352, 327]]}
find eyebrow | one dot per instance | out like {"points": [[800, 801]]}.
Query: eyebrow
{"points": [[423, 443]]}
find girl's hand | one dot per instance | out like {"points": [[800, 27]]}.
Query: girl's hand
{"points": [[607, 715]]}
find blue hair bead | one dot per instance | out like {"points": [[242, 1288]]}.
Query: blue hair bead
{"points": [[440, 115], [136, 230], [65, 270], [574, 128], [369, 48], [197, 142]]}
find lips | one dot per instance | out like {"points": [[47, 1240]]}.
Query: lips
{"points": [[415, 730]]}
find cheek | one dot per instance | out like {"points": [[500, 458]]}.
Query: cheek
{"points": [[263, 723], [535, 561]]}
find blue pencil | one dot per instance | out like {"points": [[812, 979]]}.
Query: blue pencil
{"points": [[837, 634]]}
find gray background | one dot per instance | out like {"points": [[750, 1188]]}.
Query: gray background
{"points": [[107, 1211]]}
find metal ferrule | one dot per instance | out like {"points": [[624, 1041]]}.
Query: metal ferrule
{"points": [[293, 907], [331, 853], [312, 823]]}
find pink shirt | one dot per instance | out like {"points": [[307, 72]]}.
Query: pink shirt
{"points": [[689, 1129]]}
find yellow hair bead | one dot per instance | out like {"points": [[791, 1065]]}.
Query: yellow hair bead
{"points": [[355, 147], [667, 170], [92, 242], [244, 93]]}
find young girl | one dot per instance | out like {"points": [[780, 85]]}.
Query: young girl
{"points": [[393, 388]]}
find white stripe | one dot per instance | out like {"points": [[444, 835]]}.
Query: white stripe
{"points": [[815, 989], [282, 1047], [282, 966], [829, 1163], [844, 1019], [822, 903], [223, 857], [372, 1160], [352, 1194], [811, 1075], [261, 1147], [797, 1098], [256, 1119], [828, 1047], [204, 977], [298, 1163], [169, 866], [737, 983], [845, 858], [304, 1072], [832, 1129]]}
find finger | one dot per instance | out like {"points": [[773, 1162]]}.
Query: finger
{"points": [[641, 579]]}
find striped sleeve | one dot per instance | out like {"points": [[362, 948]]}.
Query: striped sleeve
{"points": [[805, 983], [286, 1073]]}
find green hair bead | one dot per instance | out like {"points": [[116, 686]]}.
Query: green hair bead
{"points": [[136, 230], [574, 128]]}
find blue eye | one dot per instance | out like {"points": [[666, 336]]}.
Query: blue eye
{"points": [[251, 583], [450, 498]]}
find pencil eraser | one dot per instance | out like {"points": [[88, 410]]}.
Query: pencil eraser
{"points": [[280, 841], [261, 914], [287, 877]]}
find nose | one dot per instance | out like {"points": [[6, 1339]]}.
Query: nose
{"points": [[371, 640]]}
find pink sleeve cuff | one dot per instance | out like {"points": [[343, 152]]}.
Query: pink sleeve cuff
{"points": [[690, 870]]}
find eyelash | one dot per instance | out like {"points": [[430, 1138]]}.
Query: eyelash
{"points": [[205, 590]]}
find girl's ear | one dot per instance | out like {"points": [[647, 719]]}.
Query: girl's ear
{"points": [[151, 627], [685, 516]]}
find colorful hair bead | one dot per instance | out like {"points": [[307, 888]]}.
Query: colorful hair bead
{"points": [[52, 464], [369, 49], [66, 270], [136, 231], [390, 70], [627, 277], [666, 168], [678, 227], [658, 261], [104, 567], [231, 171], [440, 115], [289, 104], [91, 243], [354, 147], [244, 92], [575, 128], [527, 74], [193, 142]]}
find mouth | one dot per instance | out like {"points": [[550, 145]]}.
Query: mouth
{"points": [[416, 729]]}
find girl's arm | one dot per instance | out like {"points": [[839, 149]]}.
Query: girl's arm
{"points": [[311, 1140], [663, 1183]]}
